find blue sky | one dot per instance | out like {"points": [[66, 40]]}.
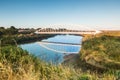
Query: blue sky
{"points": [[100, 14]]}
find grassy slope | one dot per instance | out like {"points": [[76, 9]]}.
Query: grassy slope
{"points": [[102, 51], [16, 64]]}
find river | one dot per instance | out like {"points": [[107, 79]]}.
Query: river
{"points": [[52, 56]]}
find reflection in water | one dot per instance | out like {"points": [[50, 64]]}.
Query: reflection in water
{"points": [[52, 56]]}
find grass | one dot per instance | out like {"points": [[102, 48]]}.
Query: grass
{"points": [[114, 33], [102, 51], [17, 64], [111, 33]]}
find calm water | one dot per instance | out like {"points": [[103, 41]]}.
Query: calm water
{"points": [[53, 56]]}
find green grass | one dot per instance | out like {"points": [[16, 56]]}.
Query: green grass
{"points": [[17, 64], [103, 51]]}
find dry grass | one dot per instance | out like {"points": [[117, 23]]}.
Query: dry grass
{"points": [[111, 33], [103, 51], [106, 33]]}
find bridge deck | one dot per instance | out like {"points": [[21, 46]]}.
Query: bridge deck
{"points": [[65, 32]]}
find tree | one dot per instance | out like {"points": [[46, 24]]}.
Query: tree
{"points": [[11, 30], [12, 27], [2, 28]]}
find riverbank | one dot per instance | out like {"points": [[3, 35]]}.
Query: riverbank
{"points": [[22, 38], [16, 36], [102, 50], [33, 38]]}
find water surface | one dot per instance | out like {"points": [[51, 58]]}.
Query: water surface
{"points": [[53, 56]]}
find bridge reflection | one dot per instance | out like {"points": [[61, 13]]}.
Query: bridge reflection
{"points": [[59, 43], [60, 47]]}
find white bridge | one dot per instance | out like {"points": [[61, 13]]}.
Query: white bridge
{"points": [[68, 32], [71, 29]]}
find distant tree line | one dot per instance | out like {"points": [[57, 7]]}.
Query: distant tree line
{"points": [[8, 31]]}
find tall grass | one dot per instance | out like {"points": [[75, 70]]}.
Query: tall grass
{"points": [[103, 51], [17, 64]]}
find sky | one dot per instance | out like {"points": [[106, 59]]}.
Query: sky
{"points": [[97, 14]]}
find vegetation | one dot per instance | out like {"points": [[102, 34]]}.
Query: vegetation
{"points": [[99, 60], [111, 33], [17, 64], [12, 35], [9, 31], [103, 52]]}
